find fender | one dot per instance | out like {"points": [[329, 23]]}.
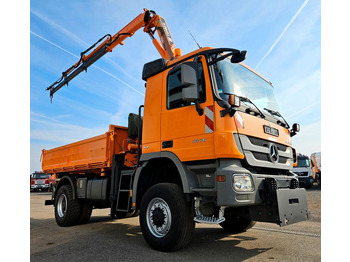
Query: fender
{"points": [[64, 181], [188, 179]]}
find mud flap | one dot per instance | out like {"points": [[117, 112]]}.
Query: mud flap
{"points": [[292, 206]]}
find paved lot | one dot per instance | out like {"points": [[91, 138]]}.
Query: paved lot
{"points": [[103, 239]]}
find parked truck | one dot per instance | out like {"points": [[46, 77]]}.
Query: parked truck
{"points": [[316, 166], [208, 146], [39, 180], [303, 171]]}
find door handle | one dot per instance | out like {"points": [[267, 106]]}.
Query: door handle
{"points": [[167, 144]]}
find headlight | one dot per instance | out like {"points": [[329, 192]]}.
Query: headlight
{"points": [[242, 182]]}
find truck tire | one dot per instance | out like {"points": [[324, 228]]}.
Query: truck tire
{"points": [[236, 224], [85, 214], [67, 209], [166, 219]]}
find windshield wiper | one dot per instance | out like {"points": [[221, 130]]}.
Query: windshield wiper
{"points": [[276, 113], [245, 99]]}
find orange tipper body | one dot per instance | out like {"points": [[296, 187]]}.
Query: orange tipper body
{"points": [[210, 147], [93, 153]]}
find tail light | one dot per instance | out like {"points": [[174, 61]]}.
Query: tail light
{"points": [[32, 182], [47, 181]]}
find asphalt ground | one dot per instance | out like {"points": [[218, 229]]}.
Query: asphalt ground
{"points": [[104, 239]]}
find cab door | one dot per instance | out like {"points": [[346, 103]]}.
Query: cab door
{"points": [[183, 131]]}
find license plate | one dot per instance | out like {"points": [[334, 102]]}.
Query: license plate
{"points": [[271, 131], [39, 182], [292, 206]]}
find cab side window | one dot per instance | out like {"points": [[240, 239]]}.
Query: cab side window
{"points": [[174, 88]]}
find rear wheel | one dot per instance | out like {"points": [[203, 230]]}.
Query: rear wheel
{"points": [[67, 209], [86, 210], [166, 219], [236, 224]]}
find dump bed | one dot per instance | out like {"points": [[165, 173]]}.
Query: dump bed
{"points": [[92, 153]]}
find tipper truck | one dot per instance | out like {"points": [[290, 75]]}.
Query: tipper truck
{"points": [[208, 146]]}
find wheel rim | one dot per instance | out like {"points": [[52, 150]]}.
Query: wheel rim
{"points": [[158, 217], [62, 205]]}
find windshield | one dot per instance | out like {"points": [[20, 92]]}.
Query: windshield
{"points": [[235, 79], [303, 162], [40, 176]]}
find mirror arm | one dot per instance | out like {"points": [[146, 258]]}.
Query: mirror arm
{"points": [[198, 108], [226, 111], [220, 58], [292, 133]]}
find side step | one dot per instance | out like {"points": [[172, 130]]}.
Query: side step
{"points": [[200, 218], [124, 191], [208, 220], [121, 188]]}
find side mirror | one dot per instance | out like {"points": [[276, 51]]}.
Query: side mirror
{"points": [[295, 129], [189, 80], [234, 101], [190, 94], [239, 56]]}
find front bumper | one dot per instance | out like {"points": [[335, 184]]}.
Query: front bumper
{"points": [[39, 186], [275, 198]]}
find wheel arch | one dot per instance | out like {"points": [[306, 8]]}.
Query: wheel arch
{"points": [[66, 180], [150, 174]]}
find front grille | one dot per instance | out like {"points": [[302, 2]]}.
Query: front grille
{"points": [[265, 143], [265, 157], [256, 151], [301, 173]]}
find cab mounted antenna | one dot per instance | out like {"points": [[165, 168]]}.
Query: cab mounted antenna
{"points": [[195, 40]]}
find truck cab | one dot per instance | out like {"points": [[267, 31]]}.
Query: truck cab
{"points": [[303, 171], [219, 121]]}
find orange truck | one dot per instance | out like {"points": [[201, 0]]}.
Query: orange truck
{"points": [[316, 166], [210, 147]]}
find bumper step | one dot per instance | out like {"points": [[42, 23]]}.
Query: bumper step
{"points": [[208, 220]]}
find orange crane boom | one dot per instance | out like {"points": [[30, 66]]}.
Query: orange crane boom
{"points": [[151, 23]]}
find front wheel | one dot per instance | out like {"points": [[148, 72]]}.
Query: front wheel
{"points": [[166, 219]]}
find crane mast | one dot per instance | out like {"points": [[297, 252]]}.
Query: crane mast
{"points": [[149, 20]]}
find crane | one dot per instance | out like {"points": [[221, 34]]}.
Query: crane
{"points": [[149, 20]]}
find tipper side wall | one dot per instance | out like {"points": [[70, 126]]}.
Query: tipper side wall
{"points": [[91, 153]]}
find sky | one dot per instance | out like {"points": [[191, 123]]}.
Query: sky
{"points": [[283, 40]]}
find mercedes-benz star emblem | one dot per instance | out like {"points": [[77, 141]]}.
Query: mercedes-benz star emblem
{"points": [[273, 153]]}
